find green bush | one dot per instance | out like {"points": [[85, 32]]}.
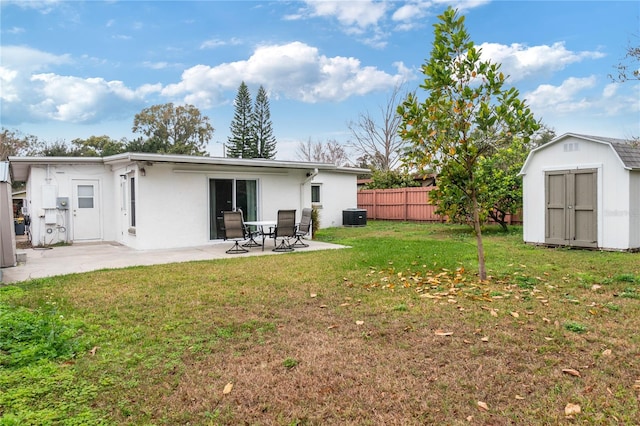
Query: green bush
{"points": [[27, 336]]}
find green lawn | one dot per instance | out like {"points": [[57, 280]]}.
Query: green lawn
{"points": [[395, 330]]}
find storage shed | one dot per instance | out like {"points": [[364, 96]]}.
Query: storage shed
{"points": [[7, 236], [583, 191]]}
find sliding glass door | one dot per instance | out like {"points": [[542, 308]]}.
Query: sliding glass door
{"points": [[230, 194]]}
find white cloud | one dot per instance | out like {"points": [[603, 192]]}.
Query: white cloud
{"points": [[26, 59], [610, 90], [582, 105], [408, 12], [576, 96], [563, 98], [42, 6], [156, 65], [15, 30], [412, 14], [295, 70], [215, 42], [357, 15], [78, 100], [520, 61], [9, 92]]}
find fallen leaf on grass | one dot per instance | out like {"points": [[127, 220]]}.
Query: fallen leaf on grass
{"points": [[323, 306], [571, 372], [596, 287], [493, 313], [443, 333], [331, 327], [483, 406], [94, 350], [571, 409], [485, 339], [227, 389], [606, 352], [313, 295], [515, 314], [519, 397], [359, 322]]}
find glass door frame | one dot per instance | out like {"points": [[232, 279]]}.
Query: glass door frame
{"points": [[242, 191]]}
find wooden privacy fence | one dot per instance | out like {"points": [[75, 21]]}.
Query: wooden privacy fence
{"points": [[408, 204]]}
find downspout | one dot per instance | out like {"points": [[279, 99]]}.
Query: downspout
{"points": [[310, 176]]}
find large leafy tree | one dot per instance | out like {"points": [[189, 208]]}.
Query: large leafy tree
{"points": [[468, 115], [241, 143], [14, 143], [265, 142], [172, 129], [97, 146]]}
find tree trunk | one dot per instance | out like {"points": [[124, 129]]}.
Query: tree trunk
{"points": [[482, 271], [499, 217]]}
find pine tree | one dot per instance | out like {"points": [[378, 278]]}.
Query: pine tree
{"points": [[265, 142], [241, 143]]}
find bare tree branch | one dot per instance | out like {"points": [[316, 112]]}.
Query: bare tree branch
{"points": [[379, 144], [330, 151]]}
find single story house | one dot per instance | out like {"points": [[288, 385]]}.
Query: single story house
{"points": [[150, 201], [583, 191]]}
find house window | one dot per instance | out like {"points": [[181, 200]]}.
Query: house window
{"points": [[85, 196], [132, 201], [315, 194], [123, 193]]}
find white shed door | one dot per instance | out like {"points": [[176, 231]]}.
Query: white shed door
{"points": [[85, 211]]}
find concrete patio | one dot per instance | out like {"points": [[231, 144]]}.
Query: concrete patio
{"points": [[77, 258]]}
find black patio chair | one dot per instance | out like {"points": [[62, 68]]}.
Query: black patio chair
{"points": [[251, 234], [235, 230], [285, 230], [303, 228]]}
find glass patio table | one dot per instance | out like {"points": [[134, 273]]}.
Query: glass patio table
{"points": [[259, 225]]}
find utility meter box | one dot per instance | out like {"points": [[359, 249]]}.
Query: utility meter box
{"points": [[62, 203]]}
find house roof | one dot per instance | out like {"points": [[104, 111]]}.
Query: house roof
{"points": [[627, 151], [20, 165]]}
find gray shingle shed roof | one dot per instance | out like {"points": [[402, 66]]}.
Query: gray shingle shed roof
{"points": [[628, 151]]}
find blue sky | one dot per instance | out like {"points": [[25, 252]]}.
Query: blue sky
{"points": [[72, 69]]}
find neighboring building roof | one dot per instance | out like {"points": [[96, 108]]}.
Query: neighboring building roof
{"points": [[626, 150], [21, 165]]}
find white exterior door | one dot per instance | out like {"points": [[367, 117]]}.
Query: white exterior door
{"points": [[86, 210]]}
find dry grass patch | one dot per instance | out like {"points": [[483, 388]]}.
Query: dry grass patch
{"points": [[395, 331]]}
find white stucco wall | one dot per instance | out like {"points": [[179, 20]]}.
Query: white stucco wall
{"points": [[60, 179], [172, 205], [613, 189], [338, 192]]}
